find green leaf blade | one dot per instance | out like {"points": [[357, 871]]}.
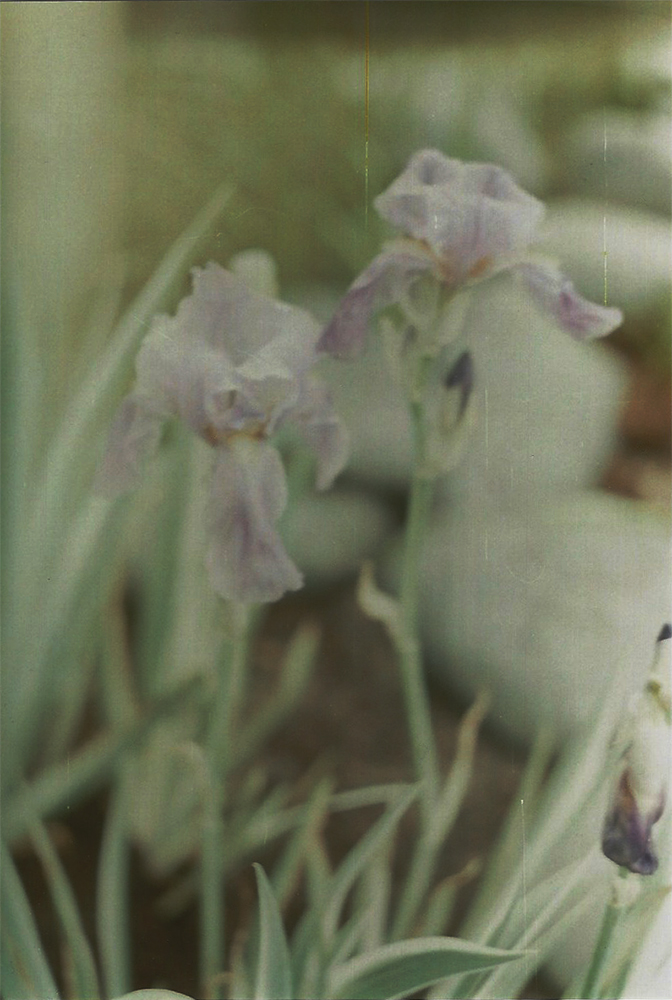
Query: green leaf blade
{"points": [[273, 975], [397, 970]]}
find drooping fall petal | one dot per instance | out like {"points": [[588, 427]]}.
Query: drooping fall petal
{"points": [[133, 439], [246, 558], [555, 294]]}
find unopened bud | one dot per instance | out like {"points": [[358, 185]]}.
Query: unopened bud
{"points": [[642, 786]]}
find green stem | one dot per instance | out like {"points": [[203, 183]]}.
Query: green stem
{"points": [[230, 692], [219, 743], [602, 946], [410, 658], [211, 938], [415, 886]]}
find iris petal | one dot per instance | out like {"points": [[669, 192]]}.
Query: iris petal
{"points": [[134, 437], [246, 559], [466, 212], [317, 423], [556, 295], [384, 282]]}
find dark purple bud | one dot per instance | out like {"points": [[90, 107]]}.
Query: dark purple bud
{"points": [[461, 376], [626, 837], [665, 632]]}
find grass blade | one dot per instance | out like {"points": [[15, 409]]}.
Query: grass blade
{"points": [[25, 972], [273, 979], [396, 970]]}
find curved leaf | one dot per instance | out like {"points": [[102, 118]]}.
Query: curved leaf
{"points": [[396, 970], [273, 974]]}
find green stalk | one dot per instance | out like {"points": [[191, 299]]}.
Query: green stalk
{"points": [[113, 894], [211, 937], [602, 949], [444, 813], [219, 742], [77, 948], [410, 659]]}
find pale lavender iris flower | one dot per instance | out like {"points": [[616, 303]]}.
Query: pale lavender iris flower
{"points": [[462, 223], [235, 366]]}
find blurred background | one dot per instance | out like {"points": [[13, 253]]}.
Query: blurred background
{"points": [[121, 119]]}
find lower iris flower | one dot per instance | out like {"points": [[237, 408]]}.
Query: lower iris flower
{"points": [[236, 367]]}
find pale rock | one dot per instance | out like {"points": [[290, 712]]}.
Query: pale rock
{"points": [[545, 605], [368, 400], [329, 535], [547, 405], [624, 251], [373, 408], [620, 156]]}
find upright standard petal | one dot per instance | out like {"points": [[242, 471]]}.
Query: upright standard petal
{"points": [[224, 341], [134, 437], [246, 558], [384, 282], [245, 324], [182, 373], [471, 215], [556, 295]]}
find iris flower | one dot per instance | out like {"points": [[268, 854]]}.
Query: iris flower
{"points": [[642, 787], [461, 223], [235, 366]]}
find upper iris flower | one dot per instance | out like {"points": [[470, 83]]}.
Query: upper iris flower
{"points": [[461, 223], [236, 367]]}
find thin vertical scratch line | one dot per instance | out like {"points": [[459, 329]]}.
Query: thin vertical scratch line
{"points": [[485, 396], [366, 114], [604, 220]]}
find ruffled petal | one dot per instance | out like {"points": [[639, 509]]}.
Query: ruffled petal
{"points": [[134, 437], [246, 559], [471, 214], [261, 335], [183, 374], [384, 282], [556, 295], [225, 341], [319, 425]]}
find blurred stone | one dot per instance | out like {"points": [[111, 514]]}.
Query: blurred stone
{"points": [[647, 62], [622, 156], [548, 406], [638, 261], [329, 535], [545, 605], [374, 410]]}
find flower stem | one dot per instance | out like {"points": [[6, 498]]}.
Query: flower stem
{"points": [[410, 659], [211, 937], [219, 742], [603, 946]]}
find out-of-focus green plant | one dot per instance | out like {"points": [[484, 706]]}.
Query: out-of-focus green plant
{"points": [[173, 696]]}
